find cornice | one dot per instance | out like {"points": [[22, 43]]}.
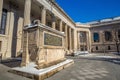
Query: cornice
{"points": [[59, 8]]}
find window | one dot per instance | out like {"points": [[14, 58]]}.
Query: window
{"points": [[83, 37], [119, 34], [109, 48], [96, 47], [96, 37], [0, 45], [108, 36], [3, 21], [83, 47]]}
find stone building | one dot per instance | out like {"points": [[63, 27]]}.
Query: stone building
{"points": [[105, 35], [101, 36], [15, 15], [83, 37]]}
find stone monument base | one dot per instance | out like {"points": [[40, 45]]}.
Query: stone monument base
{"points": [[31, 72], [45, 65]]}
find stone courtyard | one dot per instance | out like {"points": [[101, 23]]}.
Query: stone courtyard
{"points": [[84, 68], [90, 69]]}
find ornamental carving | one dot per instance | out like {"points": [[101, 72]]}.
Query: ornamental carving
{"points": [[52, 40]]}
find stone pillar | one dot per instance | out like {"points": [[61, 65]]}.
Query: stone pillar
{"points": [[60, 25], [75, 39], [43, 16], [27, 11], [1, 7], [78, 40], [19, 36], [9, 32], [70, 41], [101, 36], [27, 15], [66, 38], [25, 55], [53, 25], [88, 43]]}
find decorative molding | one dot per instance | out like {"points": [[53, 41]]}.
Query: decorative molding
{"points": [[44, 27]]}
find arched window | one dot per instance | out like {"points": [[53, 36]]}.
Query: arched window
{"points": [[96, 37], [108, 36]]}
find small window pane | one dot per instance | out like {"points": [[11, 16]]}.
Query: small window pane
{"points": [[119, 34], [3, 21], [108, 36], [0, 45], [96, 37], [83, 37], [109, 48]]}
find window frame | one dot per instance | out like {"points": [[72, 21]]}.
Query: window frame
{"points": [[106, 37], [98, 37], [3, 21]]}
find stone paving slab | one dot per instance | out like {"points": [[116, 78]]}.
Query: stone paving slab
{"points": [[5, 75], [89, 69], [31, 72]]}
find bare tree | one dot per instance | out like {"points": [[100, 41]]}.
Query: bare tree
{"points": [[116, 33]]}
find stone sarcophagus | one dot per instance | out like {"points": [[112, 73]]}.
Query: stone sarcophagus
{"points": [[42, 45]]}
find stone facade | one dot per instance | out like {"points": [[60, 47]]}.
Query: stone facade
{"points": [[17, 15], [107, 31], [108, 35]]}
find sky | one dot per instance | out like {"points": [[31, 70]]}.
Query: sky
{"points": [[90, 10]]}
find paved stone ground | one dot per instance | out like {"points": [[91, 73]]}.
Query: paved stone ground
{"points": [[90, 69], [85, 68], [5, 67]]}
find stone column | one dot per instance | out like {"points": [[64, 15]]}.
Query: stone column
{"points": [[78, 40], [9, 32], [75, 39], [43, 16], [53, 25], [25, 55], [27, 15], [1, 7], [88, 41], [66, 38], [27, 11], [101, 37], [19, 36], [60, 25], [70, 41]]}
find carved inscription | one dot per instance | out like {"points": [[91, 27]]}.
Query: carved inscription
{"points": [[52, 40]]}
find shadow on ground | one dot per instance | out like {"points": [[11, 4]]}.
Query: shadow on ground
{"points": [[11, 62]]}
